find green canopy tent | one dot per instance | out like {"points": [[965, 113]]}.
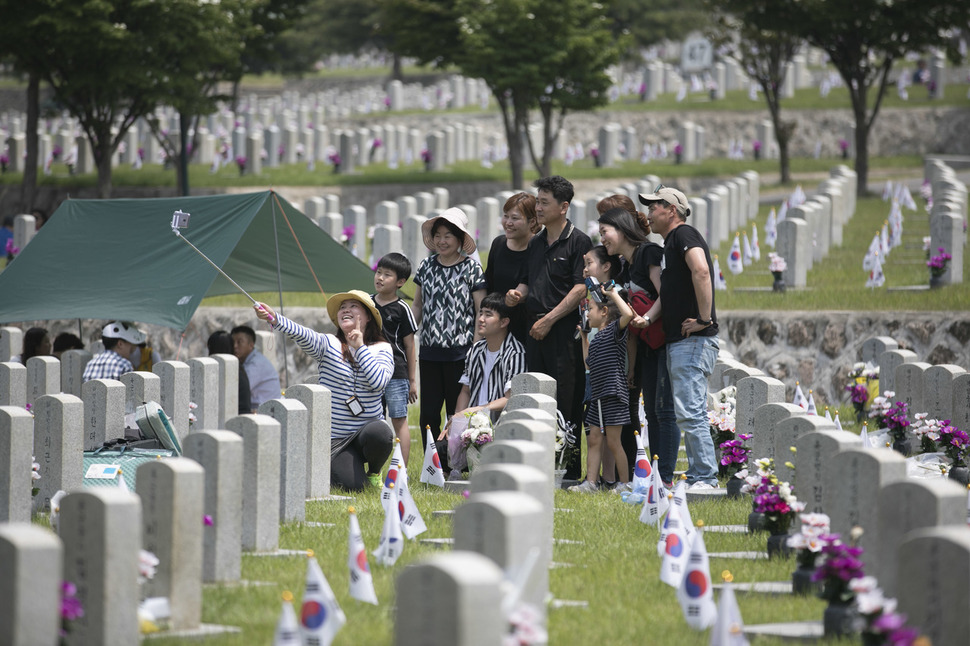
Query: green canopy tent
{"points": [[119, 259]]}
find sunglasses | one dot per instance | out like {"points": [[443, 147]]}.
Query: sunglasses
{"points": [[659, 186]]}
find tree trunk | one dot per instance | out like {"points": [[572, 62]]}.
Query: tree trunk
{"points": [[183, 157], [397, 73], [102, 157], [511, 121], [29, 185], [861, 143]]}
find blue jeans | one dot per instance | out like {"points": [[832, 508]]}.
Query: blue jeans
{"points": [[690, 362], [658, 404]]}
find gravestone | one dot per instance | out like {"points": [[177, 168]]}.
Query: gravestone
{"points": [[466, 591], [786, 434], [261, 480], [204, 392], [766, 417], [909, 505], [815, 449], [356, 216], [888, 362], [386, 239], [534, 383], [43, 377], [515, 452], [856, 475], [11, 342], [938, 390], [718, 379], [13, 384], [754, 192], [489, 220], [873, 347], [909, 385], [101, 528], [30, 588], [172, 494], [386, 212], [228, 388], [141, 387], [540, 432], [532, 400], [174, 393], [292, 416], [73, 363], [715, 223], [104, 411], [317, 401], [221, 455], [960, 408], [501, 526], [16, 449], [738, 372], [413, 242], [792, 232], [753, 392], [58, 442], [935, 564]]}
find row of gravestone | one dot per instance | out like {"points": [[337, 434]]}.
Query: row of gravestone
{"points": [[810, 229], [907, 523], [238, 479], [948, 217], [503, 533]]}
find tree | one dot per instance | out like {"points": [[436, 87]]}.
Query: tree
{"points": [[650, 22], [863, 39], [763, 53]]}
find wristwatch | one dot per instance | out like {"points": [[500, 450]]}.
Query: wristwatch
{"points": [[703, 322], [647, 319]]}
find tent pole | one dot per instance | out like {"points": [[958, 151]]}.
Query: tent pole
{"points": [[279, 284], [80, 332]]}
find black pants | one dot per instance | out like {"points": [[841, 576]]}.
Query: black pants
{"points": [[372, 445], [439, 385], [560, 355]]}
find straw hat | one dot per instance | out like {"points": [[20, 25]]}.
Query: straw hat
{"points": [[334, 302], [458, 218]]}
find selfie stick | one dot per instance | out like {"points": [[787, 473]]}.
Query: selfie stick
{"points": [[180, 220]]}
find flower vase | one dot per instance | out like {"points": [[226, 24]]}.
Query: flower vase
{"points": [[845, 153], [734, 486], [778, 546], [801, 581], [336, 169], [779, 284], [840, 619], [679, 157], [559, 474], [474, 457], [936, 281], [757, 154], [960, 474], [756, 522]]}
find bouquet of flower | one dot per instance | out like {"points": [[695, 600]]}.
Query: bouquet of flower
{"points": [[813, 536], [840, 566], [955, 443], [734, 454], [896, 422], [773, 498], [938, 263], [928, 432], [721, 413], [479, 431], [34, 477], [566, 444], [776, 263], [883, 625]]}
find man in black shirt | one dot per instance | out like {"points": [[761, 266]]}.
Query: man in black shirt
{"points": [[690, 326], [551, 288]]}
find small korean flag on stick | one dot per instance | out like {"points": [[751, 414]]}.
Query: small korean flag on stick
{"points": [[412, 524], [694, 593], [287, 627], [392, 542], [735, 263], [676, 550], [729, 628], [397, 465], [431, 472], [799, 398], [320, 617], [361, 582], [655, 503], [680, 504], [641, 468]]}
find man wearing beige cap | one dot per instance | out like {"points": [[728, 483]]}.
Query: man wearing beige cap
{"points": [[690, 325]]}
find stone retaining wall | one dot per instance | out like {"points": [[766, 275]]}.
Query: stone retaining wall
{"points": [[816, 348]]}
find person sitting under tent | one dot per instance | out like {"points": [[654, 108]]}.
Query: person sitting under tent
{"points": [[264, 380], [66, 341], [119, 338], [220, 342]]}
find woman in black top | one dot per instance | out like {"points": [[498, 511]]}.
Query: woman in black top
{"points": [[509, 253], [624, 232]]}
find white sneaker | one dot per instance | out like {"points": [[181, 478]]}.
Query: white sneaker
{"points": [[701, 486], [622, 488], [585, 487]]}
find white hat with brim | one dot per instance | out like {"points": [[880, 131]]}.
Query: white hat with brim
{"points": [[670, 196], [334, 302], [124, 331], [455, 216]]}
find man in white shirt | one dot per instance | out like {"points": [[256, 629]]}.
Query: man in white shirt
{"points": [[264, 380]]}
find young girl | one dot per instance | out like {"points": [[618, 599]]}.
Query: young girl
{"points": [[609, 406]]}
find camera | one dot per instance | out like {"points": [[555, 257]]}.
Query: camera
{"points": [[180, 220], [596, 289]]}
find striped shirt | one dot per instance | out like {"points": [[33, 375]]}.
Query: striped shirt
{"points": [[367, 380], [510, 362], [607, 363], [107, 365]]}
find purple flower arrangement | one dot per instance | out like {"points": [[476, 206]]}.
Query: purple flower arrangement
{"points": [[734, 454], [773, 498], [955, 443], [882, 624], [840, 565], [938, 263], [241, 162], [71, 608], [896, 421], [4, 160], [858, 393]]}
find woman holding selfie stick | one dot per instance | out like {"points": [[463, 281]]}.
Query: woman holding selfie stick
{"points": [[355, 364]]}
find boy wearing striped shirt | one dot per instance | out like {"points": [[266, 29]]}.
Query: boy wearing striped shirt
{"points": [[491, 363]]}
